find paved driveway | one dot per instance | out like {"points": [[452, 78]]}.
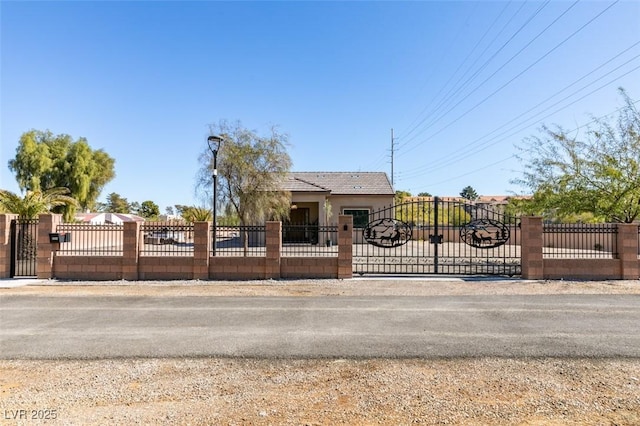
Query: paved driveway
{"points": [[86, 326]]}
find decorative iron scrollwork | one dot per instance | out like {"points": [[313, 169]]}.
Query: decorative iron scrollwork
{"points": [[484, 233], [387, 233]]}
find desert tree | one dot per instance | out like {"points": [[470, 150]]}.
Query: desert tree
{"points": [[594, 173], [251, 169]]}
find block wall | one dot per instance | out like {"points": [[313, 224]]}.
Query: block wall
{"points": [[202, 265]]}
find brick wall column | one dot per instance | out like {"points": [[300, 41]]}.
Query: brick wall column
{"points": [[345, 246], [628, 251], [47, 223], [273, 243], [130, 250], [5, 244], [201, 243], [531, 248]]}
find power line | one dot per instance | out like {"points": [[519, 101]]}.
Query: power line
{"points": [[515, 155], [442, 88], [481, 68], [514, 78], [377, 163], [485, 144], [521, 129], [442, 115]]}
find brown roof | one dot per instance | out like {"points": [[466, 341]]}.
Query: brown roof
{"points": [[339, 183], [500, 199], [483, 199]]}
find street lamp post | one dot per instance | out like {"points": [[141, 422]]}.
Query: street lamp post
{"points": [[214, 144]]}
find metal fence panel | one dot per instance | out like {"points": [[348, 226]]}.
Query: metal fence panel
{"points": [[166, 239], [580, 241], [91, 240], [245, 240], [309, 240]]}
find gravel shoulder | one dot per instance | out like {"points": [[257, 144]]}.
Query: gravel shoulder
{"points": [[491, 391], [330, 287]]}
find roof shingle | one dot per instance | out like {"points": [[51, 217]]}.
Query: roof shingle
{"points": [[339, 183]]}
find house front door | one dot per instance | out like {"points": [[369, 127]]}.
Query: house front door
{"points": [[298, 230]]}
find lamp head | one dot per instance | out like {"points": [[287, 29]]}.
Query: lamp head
{"points": [[214, 142]]}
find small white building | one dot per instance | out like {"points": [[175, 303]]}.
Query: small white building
{"points": [[107, 218]]}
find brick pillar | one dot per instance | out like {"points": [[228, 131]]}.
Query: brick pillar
{"points": [[130, 250], [531, 248], [47, 223], [628, 251], [201, 242], [345, 246], [274, 248], [5, 244]]}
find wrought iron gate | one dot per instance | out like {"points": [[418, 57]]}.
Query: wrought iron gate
{"points": [[439, 236], [24, 247]]}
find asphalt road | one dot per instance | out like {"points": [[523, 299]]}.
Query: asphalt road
{"points": [[90, 327]]}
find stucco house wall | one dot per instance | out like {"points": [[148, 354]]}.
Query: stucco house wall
{"points": [[344, 191], [341, 203]]}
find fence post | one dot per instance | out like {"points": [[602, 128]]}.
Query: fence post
{"points": [[5, 244], [531, 248], [345, 246], [628, 251], [130, 250], [47, 223], [273, 242], [201, 244]]}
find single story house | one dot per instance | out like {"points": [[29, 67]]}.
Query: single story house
{"points": [[319, 197]]}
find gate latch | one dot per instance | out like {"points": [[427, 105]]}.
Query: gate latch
{"points": [[435, 239]]}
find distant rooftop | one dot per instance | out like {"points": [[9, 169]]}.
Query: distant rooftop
{"points": [[339, 183], [108, 218]]}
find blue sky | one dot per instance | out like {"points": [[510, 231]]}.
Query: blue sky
{"points": [[461, 83]]}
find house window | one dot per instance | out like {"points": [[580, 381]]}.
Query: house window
{"points": [[360, 217]]}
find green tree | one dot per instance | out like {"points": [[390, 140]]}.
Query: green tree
{"points": [[44, 161], [401, 196], [116, 204], [230, 218], [29, 207], [134, 207], [180, 208], [469, 193], [34, 202], [454, 215], [425, 194], [597, 172], [422, 212], [149, 210], [196, 214], [251, 169]]}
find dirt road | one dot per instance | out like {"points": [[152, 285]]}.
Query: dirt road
{"points": [[493, 391]]}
